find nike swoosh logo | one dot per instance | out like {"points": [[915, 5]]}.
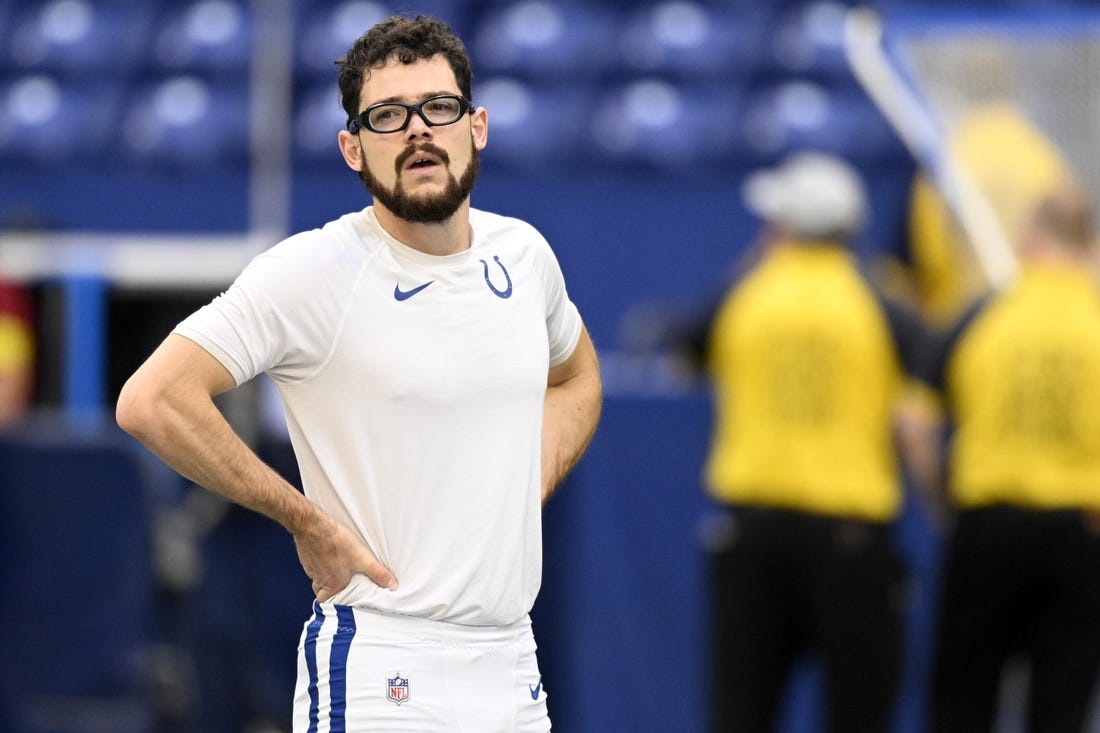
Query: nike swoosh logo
{"points": [[400, 294], [535, 690]]}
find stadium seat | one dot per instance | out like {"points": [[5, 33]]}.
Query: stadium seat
{"points": [[49, 120], [77, 37], [77, 604], [536, 126], [187, 121], [327, 30], [804, 114], [807, 40], [318, 119], [692, 40], [203, 34], [537, 39], [654, 123]]}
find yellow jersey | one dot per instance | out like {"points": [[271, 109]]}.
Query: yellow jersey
{"points": [[806, 373], [1022, 378]]}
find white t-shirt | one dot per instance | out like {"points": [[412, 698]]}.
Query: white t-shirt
{"points": [[413, 387]]}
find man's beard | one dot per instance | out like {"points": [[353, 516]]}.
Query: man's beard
{"points": [[424, 209]]}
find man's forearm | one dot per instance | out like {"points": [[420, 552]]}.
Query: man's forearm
{"points": [[570, 414], [189, 434], [168, 406]]}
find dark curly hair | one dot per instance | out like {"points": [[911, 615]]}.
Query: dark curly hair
{"points": [[408, 41]]}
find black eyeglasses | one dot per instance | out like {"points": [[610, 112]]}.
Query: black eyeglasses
{"points": [[445, 109]]}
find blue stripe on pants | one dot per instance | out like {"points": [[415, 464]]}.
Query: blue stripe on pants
{"points": [[312, 633], [338, 668]]}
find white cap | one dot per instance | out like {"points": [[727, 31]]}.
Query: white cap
{"points": [[809, 195]]}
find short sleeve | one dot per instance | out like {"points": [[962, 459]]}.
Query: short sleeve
{"points": [[276, 317], [563, 320]]}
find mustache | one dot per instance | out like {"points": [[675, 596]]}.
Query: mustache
{"points": [[421, 148]]}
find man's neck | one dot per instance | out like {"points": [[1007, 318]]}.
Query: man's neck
{"points": [[447, 237]]}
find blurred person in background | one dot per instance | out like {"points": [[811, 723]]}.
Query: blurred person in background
{"points": [[1013, 164], [16, 353], [438, 384], [807, 364], [1020, 374]]}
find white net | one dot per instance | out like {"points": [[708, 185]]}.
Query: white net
{"points": [[1048, 68], [997, 110]]}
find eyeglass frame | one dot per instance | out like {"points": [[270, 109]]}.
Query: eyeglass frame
{"points": [[362, 120]]}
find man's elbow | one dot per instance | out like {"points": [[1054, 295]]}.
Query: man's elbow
{"points": [[136, 410]]}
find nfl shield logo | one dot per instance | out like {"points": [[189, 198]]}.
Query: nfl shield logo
{"points": [[398, 689]]}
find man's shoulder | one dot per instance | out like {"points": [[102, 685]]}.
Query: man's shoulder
{"points": [[491, 224], [303, 260], [317, 245]]}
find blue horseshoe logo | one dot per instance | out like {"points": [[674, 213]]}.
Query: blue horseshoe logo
{"points": [[507, 292]]}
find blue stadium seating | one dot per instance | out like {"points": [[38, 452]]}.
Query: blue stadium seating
{"points": [[77, 37], [51, 120], [536, 125], [318, 117], [799, 114], [654, 123], [187, 121], [537, 38], [203, 34], [326, 31], [172, 90], [806, 40], [694, 41]]}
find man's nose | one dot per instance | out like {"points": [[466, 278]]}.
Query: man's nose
{"points": [[418, 127]]}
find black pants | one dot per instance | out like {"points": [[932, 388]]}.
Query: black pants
{"points": [[790, 583], [1018, 581]]}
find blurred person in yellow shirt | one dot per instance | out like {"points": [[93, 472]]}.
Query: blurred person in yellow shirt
{"points": [[16, 353], [807, 363], [1020, 373]]}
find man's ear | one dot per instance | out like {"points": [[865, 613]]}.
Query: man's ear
{"points": [[479, 128], [351, 150]]}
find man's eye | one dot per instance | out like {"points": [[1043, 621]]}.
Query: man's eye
{"points": [[442, 106]]}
